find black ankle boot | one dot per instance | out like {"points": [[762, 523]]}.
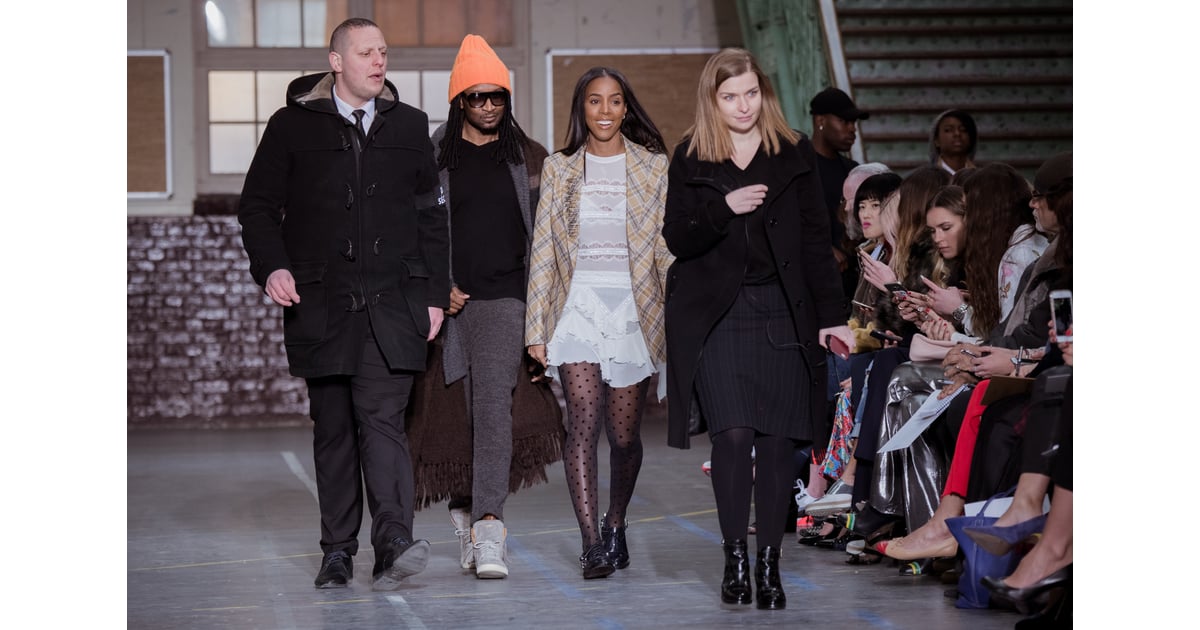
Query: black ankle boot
{"points": [[735, 588], [766, 580], [613, 539]]}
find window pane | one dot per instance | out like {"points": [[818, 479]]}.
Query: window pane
{"points": [[492, 20], [398, 21], [230, 22], [278, 23], [231, 147], [230, 96], [320, 18], [444, 23], [408, 84], [434, 86], [272, 92]]}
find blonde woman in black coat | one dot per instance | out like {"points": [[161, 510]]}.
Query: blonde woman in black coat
{"points": [[752, 301]]}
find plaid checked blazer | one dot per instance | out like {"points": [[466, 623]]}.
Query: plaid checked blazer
{"points": [[556, 243]]}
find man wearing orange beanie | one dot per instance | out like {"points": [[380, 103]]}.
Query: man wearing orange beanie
{"points": [[490, 170]]}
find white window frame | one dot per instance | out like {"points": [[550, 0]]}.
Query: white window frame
{"points": [[516, 57]]}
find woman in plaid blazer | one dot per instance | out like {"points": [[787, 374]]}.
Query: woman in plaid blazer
{"points": [[594, 306]]}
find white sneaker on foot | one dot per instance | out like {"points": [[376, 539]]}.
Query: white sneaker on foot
{"points": [[803, 499], [836, 499], [490, 550], [461, 519]]}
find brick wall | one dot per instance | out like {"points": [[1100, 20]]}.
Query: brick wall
{"points": [[205, 344]]}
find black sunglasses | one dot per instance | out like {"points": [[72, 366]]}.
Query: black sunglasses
{"points": [[476, 99]]}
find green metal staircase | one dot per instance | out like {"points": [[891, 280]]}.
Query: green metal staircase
{"points": [[1007, 62]]}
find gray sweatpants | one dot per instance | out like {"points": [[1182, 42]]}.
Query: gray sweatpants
{"points": [[494, 335]]}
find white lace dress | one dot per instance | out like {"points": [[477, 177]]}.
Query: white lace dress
{"points": [[599, 323]]}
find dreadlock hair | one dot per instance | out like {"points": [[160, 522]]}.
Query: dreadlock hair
{"points": [[637, 126], [997, 201], [508, 148]]}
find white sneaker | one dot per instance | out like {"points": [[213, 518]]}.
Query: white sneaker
{"points": [[803, 499], [836, 499], [461, 519], [491, 552]]}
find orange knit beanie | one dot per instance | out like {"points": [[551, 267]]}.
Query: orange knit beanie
{"points": [[476, 63]]}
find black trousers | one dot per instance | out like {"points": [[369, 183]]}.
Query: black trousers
{"points": [[358, 435]]}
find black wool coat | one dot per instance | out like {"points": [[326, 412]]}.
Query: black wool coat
{"points": [[364, 234], [710, 266]]}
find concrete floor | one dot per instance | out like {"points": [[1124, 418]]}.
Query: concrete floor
{"points": [[223, 529]]}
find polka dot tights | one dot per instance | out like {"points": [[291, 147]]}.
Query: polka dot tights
{"points": [[592, 405]]}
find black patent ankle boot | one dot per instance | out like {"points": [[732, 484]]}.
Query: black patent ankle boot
{"points": [[735, 588], [613, 539], [767, 582]]}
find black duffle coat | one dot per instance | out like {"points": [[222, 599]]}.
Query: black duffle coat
{"points": [[364, 233]]}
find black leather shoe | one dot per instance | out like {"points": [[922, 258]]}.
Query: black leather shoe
{"points": [[594, 563], [811, 536], [873, 525], [735, 587], [337, 569], [766, 580], [397, 559], [613, 539], [1040, 595]]}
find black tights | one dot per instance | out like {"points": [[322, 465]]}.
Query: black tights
{"points": [[591, 404], [771, 475]]}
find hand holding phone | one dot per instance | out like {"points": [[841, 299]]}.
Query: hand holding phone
{"points": [[1060, 313], [897, 289]]}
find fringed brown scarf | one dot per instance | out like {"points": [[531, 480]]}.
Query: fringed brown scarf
{"points": [[439, 433]]}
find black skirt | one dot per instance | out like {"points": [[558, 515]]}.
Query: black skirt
{"points": [[752, 373]]}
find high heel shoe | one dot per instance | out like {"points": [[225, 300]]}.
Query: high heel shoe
{"points": [[735, 587], [595, 564], [1040, 595], [767, 583], [613, 539], [874, 526], [999, 540]]}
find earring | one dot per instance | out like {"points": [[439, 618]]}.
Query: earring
{"points": [[821, 128]]}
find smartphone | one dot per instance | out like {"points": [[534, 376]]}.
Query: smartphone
{"points": [[882, 336], [969, 353], [866, 307], [1060, 312], [837, 346], [897, 289]]}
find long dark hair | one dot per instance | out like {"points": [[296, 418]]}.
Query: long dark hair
{"points": [[637, 125], [509, 148], [915, 192], [997, 204], [1063, 251]]}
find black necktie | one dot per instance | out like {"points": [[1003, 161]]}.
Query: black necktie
{"points": [[358, 124]]}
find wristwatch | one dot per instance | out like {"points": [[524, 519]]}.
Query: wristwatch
{"points": [[959, 312]]}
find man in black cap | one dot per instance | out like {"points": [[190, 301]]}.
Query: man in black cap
{"points": [[834, 120]]}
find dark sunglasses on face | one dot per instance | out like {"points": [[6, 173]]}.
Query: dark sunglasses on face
{"points": [[476, 99]]}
